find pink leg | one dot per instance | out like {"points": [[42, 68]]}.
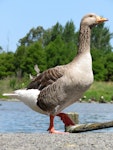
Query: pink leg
{"points": [[51, 126], [66, 120]]}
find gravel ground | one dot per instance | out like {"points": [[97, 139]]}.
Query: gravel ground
{"points": [[45, 141]]}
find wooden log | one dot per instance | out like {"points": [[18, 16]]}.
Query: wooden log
{"points": [[88, 127], [74, 117]]}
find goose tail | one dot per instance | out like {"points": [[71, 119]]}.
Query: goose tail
{"points": [[12, 95], [24, 95]]}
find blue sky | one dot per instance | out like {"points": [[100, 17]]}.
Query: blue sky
{"points": [[19, 16]]}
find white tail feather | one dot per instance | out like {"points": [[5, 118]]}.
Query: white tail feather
{"points": [[10, 94]]}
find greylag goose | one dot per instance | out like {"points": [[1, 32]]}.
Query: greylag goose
{"points": [[59, 87]]}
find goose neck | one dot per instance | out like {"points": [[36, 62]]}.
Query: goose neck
{"points": [[84, 39]]}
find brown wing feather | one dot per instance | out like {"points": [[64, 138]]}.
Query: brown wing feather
{"points": [[46, 78]]}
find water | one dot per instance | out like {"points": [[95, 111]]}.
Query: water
{"points": [[15, 117]]}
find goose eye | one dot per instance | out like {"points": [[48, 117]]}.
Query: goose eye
{"points": [[91, 16]]}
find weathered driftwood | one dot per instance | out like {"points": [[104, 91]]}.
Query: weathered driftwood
{"points": [[88, 127], [74, 117]]}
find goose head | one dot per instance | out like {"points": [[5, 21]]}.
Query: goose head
{"points": [[92, 20]]}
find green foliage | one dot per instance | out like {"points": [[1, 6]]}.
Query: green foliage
{"points": [[109, 66], [99, 68], [15, 83], [58, 53], [99, 90], [7, 67], [101, 39], [33, 36], [56, 31], [12, 83], [69, 32], [9, 84], [27, 57]]}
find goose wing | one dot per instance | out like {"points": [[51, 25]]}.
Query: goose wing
{"points": [[46, 78]]}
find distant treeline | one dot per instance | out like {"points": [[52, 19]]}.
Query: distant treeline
{"points": [[56, 46]]}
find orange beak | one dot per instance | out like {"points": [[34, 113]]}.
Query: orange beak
{"points": [[101, 19]]}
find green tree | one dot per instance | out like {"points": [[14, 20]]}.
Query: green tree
{"points": [[7, 67], [100, 38], [69, 32], [47, 37], [99, 68], [58, 53], [1, 49], [56, 31], [32, 36], [109, 66], [27, 57], [20, 57]]}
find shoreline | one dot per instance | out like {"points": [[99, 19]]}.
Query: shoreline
{"points": [[94, 102], [71, 141]]}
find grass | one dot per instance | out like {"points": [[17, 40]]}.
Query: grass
{"points": [[10, 84], [99, 91]]}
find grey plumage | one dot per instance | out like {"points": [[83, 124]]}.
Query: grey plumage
{"points": [[57, 88], [63, 85]]}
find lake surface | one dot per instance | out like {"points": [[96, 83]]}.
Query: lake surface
{"points": [[16, 117]]}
